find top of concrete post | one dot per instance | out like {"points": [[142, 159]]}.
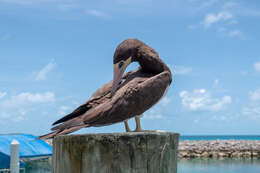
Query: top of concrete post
{"points": [[125, 134]]}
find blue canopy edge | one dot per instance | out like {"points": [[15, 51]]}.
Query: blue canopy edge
{"points": [[29, 147]]}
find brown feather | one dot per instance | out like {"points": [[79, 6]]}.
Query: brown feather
{"points": [[49, 135]]}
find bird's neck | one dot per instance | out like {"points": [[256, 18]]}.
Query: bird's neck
{"points": [[150, 61]]}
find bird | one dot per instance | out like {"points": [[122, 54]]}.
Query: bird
{"points": [[127, 96]]}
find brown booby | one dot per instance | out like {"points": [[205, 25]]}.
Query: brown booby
{"points": [[128, 95]]}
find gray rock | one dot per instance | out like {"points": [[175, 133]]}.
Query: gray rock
{"points": [[219, 148]]}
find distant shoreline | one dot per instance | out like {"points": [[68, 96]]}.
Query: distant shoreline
{"points": [[219, 137], [219, 148], [216, 148]]}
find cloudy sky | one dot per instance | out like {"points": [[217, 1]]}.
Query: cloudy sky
{"points": [[55, 53]]}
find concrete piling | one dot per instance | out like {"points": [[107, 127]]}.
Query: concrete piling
{"points": [[134, 152], [14, 163]]}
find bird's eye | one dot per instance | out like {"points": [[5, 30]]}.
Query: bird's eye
{"points": [[121, 64]]}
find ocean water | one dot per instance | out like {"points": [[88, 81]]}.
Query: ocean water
{"points": [[39, 166], [220, 137], [198, 166], [210, 165], [227, 165]]}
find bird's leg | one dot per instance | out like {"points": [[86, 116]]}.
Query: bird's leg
{"points": [[127, 129], [138, 124]]}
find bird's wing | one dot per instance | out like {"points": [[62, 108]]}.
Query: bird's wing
{"points": [[134, 98], [101, 96], [73, 121], [136, 94], [101, 104], [97, 98]]}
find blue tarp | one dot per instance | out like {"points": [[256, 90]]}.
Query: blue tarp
{"points": [[4, 161], [29, 147]]}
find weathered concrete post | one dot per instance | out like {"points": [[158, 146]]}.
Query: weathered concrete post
{"points": [[14, 163], [145, 152]]}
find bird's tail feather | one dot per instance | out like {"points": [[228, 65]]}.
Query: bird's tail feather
{"points": [[62, 132], [72, 129], [66, 125], [49, 135]]}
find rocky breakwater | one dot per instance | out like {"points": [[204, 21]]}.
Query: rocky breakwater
{"points": [[219, 148]]}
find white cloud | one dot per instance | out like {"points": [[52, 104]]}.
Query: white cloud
{"points": [[165, 101], [218, 87], [215, 18], [224, 14], [241, 9], [255, 95], [34, 98], [2, 94], [182, 70], [20, 104], [42, 74], [19, 118], [153, 113], [235, 33], [67, 7], [28, 98], [216, 82], [252, 110], [97, 13], [157, 111], [257, 66], [226, 118], [231, 33], [202, 100], [223, 20], [63, 110], [152, 116]]}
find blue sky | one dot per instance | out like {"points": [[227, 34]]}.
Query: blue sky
{"points": [[55, 53]]}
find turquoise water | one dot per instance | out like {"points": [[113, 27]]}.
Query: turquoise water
{"points": [[194, 166], [39, 166], [210, 165], [220, 137], [219, 166]]}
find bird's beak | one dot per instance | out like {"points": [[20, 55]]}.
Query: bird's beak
{"points": [[118, 73]]}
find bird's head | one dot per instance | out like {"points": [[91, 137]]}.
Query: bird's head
{"points": [[126, 53]]}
